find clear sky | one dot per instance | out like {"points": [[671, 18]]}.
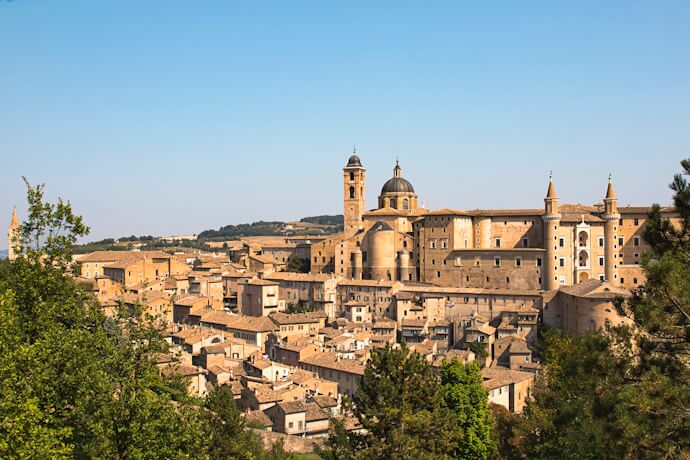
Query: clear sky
{"points": [[170, 117]]}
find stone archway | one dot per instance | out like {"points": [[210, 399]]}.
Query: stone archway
{"points": [[584, 276]]}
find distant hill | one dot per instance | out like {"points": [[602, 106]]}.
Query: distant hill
{"points": [[337, 220], [3, 253], [315, 225]]}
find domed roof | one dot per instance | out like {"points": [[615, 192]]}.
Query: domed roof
{"points": [[397, 185], [354, 161]]}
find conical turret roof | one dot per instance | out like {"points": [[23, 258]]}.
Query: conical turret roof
{"points": [[610, 193], [551, 192], [15, 219]]}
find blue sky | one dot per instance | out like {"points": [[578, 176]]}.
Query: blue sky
{"points": [[169, 117]]}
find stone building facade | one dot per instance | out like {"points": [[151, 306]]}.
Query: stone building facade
{"points": [[523, 249]]}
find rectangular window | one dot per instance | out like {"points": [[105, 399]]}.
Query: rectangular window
{"points": [[561, 242], [637, 221], [497, 261], [432, 244], [601, 261], [498, 242], [525, 242], [458, 261], [636, 241], [538, 261], [518, 262], [561, 262], [621, 241]]}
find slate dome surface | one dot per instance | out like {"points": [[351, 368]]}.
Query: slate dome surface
{"points": [[354, 161], [397, 185]]}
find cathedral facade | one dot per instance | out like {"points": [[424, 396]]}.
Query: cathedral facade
{"points": [[523, 249]]}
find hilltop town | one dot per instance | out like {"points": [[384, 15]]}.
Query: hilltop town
{"points": [[292, 339]]}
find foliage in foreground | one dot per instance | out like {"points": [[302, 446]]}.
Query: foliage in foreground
{"points": [[76, 384], [410, 410]]}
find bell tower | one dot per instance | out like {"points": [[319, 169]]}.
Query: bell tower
{"points": [[12, 232], [353, 193]]}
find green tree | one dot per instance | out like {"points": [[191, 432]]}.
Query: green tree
{"points": [[467, 400], [78, 384], [400, 405], [75, 383], [228, 436], [659, 392], [504, 426], [297, 265], [578, 411]]}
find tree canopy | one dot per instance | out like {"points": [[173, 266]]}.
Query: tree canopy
{"points": [[410, 410], [77, 384]]}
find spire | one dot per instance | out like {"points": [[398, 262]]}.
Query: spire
{"points": [[551, 192], [610, 194], [15, 219]]}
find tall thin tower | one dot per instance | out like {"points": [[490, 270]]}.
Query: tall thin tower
{"points": [[12, 234], [353, 194]]}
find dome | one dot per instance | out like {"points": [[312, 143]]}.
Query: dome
{"points": [[397, 185], [354, 161]]}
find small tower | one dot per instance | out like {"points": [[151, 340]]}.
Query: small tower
{"points": [[611, 218], [552, 220], [12, 234], [353, 194]]}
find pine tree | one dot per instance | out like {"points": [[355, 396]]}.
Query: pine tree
{"points": [[228, 436], [659, 397], [400, 404]]}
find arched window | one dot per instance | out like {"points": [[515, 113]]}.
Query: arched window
{"points": [[406, 204], [352, 192], [583, 237], [394, 203]]}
